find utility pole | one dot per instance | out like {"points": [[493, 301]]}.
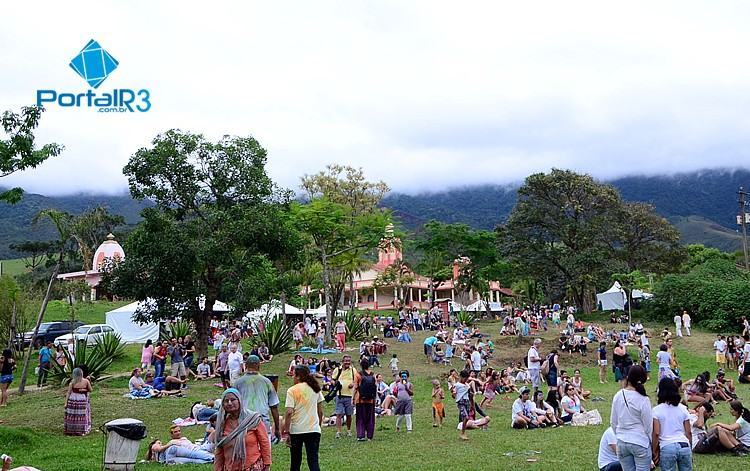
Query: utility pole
{"points": [[742, 195]]}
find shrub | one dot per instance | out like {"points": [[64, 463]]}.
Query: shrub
{"points": [[356, 329], [465, 317], [276, 335], [111, 346], [178, 328], [92, 361]]}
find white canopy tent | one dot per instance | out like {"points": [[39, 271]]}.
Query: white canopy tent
{"points": [[613, 299], [481, 306], [121, 319]]}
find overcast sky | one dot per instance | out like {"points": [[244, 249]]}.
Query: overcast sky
{"points": [[422, 95]]}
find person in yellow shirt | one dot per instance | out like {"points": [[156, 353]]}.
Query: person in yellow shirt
{"points": [[346, 375], [304, 414]]}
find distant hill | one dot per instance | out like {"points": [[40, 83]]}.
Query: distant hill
{"points": [[702, 205], [16, 220]]}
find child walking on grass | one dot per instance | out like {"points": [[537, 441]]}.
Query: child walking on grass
{"points": [[394, 365], [438, 413], [460, 392]]}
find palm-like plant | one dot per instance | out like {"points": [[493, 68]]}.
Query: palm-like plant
{"points": [[356, 329], [465, 317], [276, 335], [93, 361]]}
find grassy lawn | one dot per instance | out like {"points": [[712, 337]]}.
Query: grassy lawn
{"points": [[13, 267], [88, 313], [33, 424]]}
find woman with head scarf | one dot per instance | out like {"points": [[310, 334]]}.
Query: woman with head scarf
{"points": [[241, 438]]}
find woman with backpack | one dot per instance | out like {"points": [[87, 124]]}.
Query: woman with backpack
{"points": [[365, 392]]}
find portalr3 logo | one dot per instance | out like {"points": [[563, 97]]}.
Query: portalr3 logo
{"points": [[94, 64]]}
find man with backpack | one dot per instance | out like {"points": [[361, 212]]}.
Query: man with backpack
{"points": [[365, 392]]}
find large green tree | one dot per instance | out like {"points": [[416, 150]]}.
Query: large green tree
{"points": [[218, 228], [342, 237], [563, 225], [19, 152]]}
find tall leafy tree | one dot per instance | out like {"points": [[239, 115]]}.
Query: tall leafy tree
{"points": [[646, 241], [563, 225], [344, 236], [218, 226], [19, 152]]}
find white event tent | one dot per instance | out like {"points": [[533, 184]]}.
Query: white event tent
{"points": [[121, 319], [615, 298]]}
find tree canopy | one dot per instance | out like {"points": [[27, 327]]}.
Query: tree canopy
{"points": [[217, 229]]}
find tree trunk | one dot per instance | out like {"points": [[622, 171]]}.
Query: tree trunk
{"points": [[327, 292], [351, 292], [282, 300], [12, 330], [42, 309]]}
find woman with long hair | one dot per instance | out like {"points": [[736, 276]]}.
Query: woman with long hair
{"points": [[672, 435], [632, 422], [304, 414], [7, 365], [241, 438], [365, 393], [620, 363], [735, 437], [77, 406]]}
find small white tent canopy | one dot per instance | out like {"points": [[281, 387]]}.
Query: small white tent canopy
{"points": [[272, 309], [481, 306], [121, 319], [613, 299], [639, 294]]}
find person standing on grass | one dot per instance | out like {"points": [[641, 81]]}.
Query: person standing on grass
{"points": [[7, 365], [147, 354], [345, 375], [429, 345], [460, 392], [177, 357], [720, 347], [744, 372], [672, 435], [341, 330], [404, 392], [686, 320], [535, 363], [259, 395], [45, 358], [438, 412], [678, 325], [632, 421], [77, 406], [304, 414], [365, 393], [235, 364], [241, 438], [602, 361]]}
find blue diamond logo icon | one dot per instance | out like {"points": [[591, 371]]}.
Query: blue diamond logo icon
{"points": [[94, 64]]}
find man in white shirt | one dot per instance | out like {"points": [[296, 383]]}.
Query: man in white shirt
{"points": [[686, 320], [608, 460], [534, 360], [235, 364], [524, 411], [678, 325], [476, 360], [720, 347]]}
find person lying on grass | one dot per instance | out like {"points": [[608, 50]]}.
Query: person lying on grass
{"points": [[178, 450]]}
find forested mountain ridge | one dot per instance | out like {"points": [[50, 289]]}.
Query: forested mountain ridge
{"points": [[702, 205]]}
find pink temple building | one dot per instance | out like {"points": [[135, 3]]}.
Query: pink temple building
{"points": [[367, 296], [109, 249]]}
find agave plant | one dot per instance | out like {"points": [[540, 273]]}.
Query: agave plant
{"points": [[92, 361], [276, 335], [465, 317], [178, 328], [356, 329], [111, 346]]}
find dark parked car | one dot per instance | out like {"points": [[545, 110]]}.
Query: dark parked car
{"points": [[49, 331]]}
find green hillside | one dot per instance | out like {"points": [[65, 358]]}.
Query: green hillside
{"points": [[700, 230], [12, 267]]}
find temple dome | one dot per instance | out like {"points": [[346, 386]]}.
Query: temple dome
{"points": [[110, 248]]}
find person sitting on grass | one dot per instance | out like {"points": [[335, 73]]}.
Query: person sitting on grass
{"points": [[523, 412], [734, 437], [549, 412], [698, 390], [6, 461], [699, 431], [570, 403], [138, 387], [723, 388], [577, 382], [298, 360], [607, 459], [204, 370]]}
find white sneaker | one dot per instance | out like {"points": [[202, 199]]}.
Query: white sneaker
{"points": [[338, 434], [348, 433]]}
